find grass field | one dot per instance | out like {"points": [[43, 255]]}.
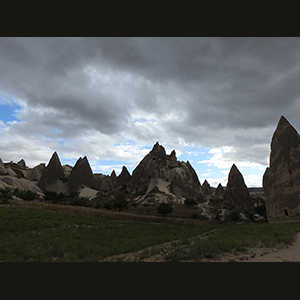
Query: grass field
{"points": [[33, 234]]}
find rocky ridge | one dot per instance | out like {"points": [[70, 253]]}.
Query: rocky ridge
{"points": [[159, 177]]}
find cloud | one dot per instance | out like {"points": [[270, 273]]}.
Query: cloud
{"points": [[96, 93]]}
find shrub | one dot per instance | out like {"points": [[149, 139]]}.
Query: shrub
{"points": [[107, 205], [5, 195], [234, 215], [120, 202], [189, 202], [80, 201], [26, 195], [164, 208]]}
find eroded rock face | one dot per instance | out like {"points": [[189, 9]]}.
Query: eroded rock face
{"points": [[162, 177], [236, 194], [281, 180], [53, 176]]}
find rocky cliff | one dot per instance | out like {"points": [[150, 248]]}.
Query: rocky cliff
{"points": [[281, 180]]}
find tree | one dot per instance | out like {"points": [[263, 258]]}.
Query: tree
{"points": [[164, 208], [189, 202], [120, 202], [5, 195]]}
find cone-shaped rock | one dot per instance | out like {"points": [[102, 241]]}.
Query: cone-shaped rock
{"points": [[80, 176], [206, 189], [219, 190], [123, 177], [53, 176], [236, 194], [113, 176], [281, 180]]}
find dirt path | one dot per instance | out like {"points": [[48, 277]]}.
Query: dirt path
{"points": [[281, 254]]}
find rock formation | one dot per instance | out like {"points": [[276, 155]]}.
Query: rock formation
{"points": [[123, 178], [206, 189], [161, 177], [236, 194], [36, 173], [81, 176], [281, 180], [53, 177], [220, 190], [22, 163]]}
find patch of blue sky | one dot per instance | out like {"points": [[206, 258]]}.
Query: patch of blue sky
{"points": [[8, 112], [62, 142], [140, 120], [107, 166]]}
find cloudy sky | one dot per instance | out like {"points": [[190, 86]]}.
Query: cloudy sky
{"points": [[216, 101]]}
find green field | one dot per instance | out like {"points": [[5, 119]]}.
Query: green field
{"points": [[33, 234]]}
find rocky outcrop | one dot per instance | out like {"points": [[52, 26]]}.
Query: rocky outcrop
{"points": [[281, 180], [206, 189], [236, 194], [162, 178], [53, 177], [81, 176], [103, 183]]}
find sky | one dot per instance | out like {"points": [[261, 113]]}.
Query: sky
{"points": [[216, 101]]}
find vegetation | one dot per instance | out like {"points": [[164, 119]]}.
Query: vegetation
{"points": [[32, 234], [164, 208], [25, 195], [68, 199], [120, 202], [189, 202], [5, 195]]}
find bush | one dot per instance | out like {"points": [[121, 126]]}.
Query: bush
{"points": [[107, 205], [120, 202], [5, 195], [80, 201], [26, 195], [164, 208], [189, 202], [234, 215]]}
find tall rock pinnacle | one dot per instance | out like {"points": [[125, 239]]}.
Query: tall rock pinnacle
{"points": [[236, 194], [281, 180], [81, 175], [53, 175]]}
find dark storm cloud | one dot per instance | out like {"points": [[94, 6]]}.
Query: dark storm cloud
{"points": [[212, 92]]}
